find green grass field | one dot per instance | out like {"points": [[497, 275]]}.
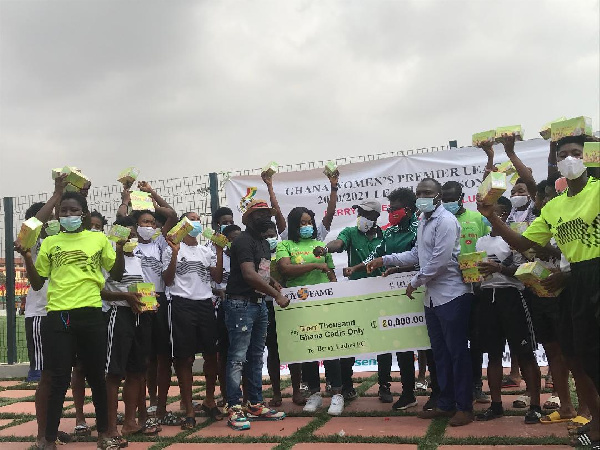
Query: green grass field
{"points": [[21, 340]]}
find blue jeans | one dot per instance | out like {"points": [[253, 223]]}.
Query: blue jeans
{"points": [[448, 328], [246, 324]]}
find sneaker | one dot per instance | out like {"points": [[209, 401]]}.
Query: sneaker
{"points": [[435, 413], [479, 396], [533, 416], [421, 385], [261, 412], [508, 382], [109, 444], [385, 394], [337, 405], [314, 402], [404, 402], [489, 414], [350, 394], [33, 376], [431, 403], [461, 418], [237, 419], [327, 389]]}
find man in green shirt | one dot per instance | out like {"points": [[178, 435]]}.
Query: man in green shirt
{"points": [[359, 241], [472, 228]]}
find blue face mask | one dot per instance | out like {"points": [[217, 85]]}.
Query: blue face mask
{"points": [[452, 207], [486, 222], [426, 204], [70, 223], [223, 228], [197, 228], [306, 232], [272, 243]]}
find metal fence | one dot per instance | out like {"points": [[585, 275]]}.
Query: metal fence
{"points": [[183, 194]]}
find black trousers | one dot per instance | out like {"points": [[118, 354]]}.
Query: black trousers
{"points": [[406, 361], [66, 335]]}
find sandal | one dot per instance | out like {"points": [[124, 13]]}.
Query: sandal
{"points": [[522, 401], [580, 430], [583, 440], [275, 403], [188, 423], [82, 430], [170, 420], [553, 402], [109, 444], [548, 383], [214, 412], [63, 438], [554, 418], [151, 411], [153, 422], [577, 423], [122, 441]]}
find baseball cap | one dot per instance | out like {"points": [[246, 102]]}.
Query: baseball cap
{"points": [[369, 205]]}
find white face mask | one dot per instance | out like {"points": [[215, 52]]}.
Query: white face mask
{"points": [[363, 224], [146, 233], [571, 168], [519, 200]]}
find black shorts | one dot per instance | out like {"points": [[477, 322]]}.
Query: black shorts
{"points": [[128, 343], [545, 313], [33, 335], [504, 316], [474, 329], [160, 336], [193, 327], [565, 326], [271, 341], [222, 335]]}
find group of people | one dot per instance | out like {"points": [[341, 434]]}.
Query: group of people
{"points": [[219, 302]]}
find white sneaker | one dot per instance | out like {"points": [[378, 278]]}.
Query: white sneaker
{"points": [[313, 403], [337, 405]]}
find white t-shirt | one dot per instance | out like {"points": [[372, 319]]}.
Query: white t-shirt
{"points": [[133, 273], [35, 305], [322, 233], [150, 255], [499, 251], [192, 274]]}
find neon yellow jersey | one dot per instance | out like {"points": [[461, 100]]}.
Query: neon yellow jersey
{"points": [[73, 264], [302, 253], [574, 222]]}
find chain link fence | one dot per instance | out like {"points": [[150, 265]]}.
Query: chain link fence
{"points": [[184, 194]]}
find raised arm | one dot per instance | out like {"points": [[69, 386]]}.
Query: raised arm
{"points": [[47, 211], [124, 206], [162, 207], [279, 218], [512, 238], [169, 273], [524, 173], [552, 166], [216, 272], [489, 151], [116, 272], [332, 204]]}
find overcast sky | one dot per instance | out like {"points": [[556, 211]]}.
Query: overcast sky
{"points": [[187, 87]]}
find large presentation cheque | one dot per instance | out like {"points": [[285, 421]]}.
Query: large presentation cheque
{"points": [[333, 320]]}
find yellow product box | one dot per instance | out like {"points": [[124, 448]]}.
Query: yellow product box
{"points": [[492, 188], [330, 168], [519, 227], [75, 177], [472, 275], [576, 126], [506, 167], [30, 232], [270, 168], [485, 137], [156, 234], [471, 260], [141, 201], [130, 245], [118, 233], [148, 295], [513, 178], [513, 130], [591, 154], [128, 176], [216, 238], [56, 173], [180, 230], [531, 273], [545, 131]]}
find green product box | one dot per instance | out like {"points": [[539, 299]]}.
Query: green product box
{"points": [[75, 177], [506, 167], [118, 233], [576, 126], [471, 260], [330, 168], [130, 245], [30, 232], [270, 168], [531, 273], [180, 230], [513, 130], [591, 154], [472, 275], [484, 137], [545, 131], [128, 176], [141, 201], [216, 238], [148, 295], [492, 188]]}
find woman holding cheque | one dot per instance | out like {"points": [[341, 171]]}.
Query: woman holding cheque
{"points": [[298, 265]]}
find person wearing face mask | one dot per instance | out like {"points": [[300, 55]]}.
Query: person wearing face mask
{"points": [[222, 218], [246, 316], [472, 227], [97, 221], [72, 262], [447, 301], [299, 266], [188, 269], [573, 220], [151, 245], [129, 332]]}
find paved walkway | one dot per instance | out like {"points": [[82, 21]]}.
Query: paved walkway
{"points": [[366, 424]]}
